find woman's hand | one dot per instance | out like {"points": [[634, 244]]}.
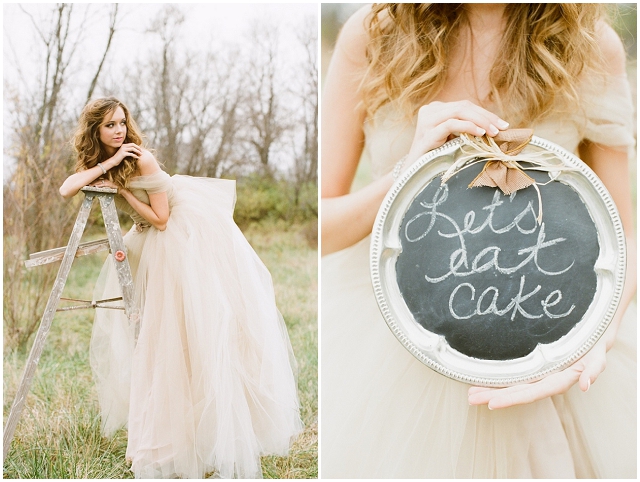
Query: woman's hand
{"points": [[104, 183], [126, 150], [438, 121], [585, 371]]}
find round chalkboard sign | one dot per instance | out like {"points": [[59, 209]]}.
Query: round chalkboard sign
{"points": [[494, 289]]}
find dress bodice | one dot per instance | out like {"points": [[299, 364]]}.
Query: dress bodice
{"points": [[604, 117], [141, 187]]}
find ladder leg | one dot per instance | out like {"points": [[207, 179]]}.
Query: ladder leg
{"points": [[45, 325], [116, 243]]}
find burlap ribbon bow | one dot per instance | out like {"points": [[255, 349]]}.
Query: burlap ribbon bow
{"points": [[504, 174], [502, 155]]}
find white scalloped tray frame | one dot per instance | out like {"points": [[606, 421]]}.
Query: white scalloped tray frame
{"points": [[432, 349]]}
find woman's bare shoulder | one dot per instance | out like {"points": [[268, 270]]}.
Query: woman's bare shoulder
{"points": [[612, 49], [354, 36], [147, 163]]}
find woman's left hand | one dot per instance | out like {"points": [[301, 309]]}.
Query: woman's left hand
{"points": [[103, 183], [584, 371]]}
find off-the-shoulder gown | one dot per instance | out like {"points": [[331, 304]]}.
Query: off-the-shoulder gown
{"points": [[385, 414], [209, 385]]}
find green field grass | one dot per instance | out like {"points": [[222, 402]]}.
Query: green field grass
{"points": [[59, 433]]}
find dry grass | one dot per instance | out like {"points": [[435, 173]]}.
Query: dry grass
{"points": [[59, 433], [294, 268]]}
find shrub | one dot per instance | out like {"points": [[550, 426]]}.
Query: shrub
{"points": [[262, 199]]}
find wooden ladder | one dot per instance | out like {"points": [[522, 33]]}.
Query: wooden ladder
{"points": [[115, 243]]}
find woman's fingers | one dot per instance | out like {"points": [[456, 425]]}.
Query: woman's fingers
{"points": [[474, 390], [132, 150], [438, 121], [520, 394], [102, 183], [451, 126], [480, 396], [593, 364], [439, 134], [439, 112], [588, 376], [585, 372]]}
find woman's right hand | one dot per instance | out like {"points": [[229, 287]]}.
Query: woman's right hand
{"points": [[438, 121], [126, 150]]}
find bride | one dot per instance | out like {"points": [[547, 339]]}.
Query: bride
{"points": [[403, 80], [209, 384]]}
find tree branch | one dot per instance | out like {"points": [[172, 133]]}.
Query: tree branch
{"points": [[112, 31]]}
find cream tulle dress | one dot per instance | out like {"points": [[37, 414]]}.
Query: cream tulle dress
{"points": [[209, 385], [385, 414]]}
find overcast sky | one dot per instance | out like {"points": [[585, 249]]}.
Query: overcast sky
{"points": [[205, 25], [210, 26]]}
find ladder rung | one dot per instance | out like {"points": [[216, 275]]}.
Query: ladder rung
{"points": [[108, 300], [84, 307], [86, 244], [91, 304], [56, 254]]}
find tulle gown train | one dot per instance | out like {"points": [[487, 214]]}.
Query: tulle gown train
{"points": [[209, 385]]}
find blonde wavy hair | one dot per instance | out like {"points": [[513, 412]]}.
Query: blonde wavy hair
{"points": [[544, 51], [86, 140]]}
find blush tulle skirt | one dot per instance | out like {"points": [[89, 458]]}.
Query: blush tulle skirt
{"points": [[209, 385], [386, 415]]}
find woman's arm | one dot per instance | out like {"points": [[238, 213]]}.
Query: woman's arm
{"points": [[348, 217], [157, 213], [612, 167], [77, 181]]}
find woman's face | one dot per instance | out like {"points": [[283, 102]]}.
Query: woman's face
{"points": [[113, 130]]}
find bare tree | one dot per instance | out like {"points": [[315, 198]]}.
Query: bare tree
{"points": [[168, 84], [36, 217], [267, 119], [214, 108], [303, 137], [306, 161], [112, 31], [189, 105]]}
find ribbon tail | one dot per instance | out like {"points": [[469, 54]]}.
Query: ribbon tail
{"points": [[539, 218], [484, 178]]}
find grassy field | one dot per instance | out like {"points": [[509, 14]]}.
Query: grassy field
{"points": [[59, 433]]}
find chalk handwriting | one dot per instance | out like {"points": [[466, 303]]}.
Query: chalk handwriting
{"points": [[462, 264], [515, 303]]}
